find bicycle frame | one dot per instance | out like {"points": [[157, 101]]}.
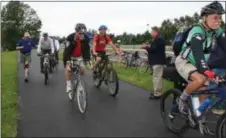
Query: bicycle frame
{"points": [[219, 92]]}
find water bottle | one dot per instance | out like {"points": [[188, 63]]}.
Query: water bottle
{"points": [[205, 104], [196, 104]]}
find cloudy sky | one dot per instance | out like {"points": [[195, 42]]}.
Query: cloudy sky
{"points": [[59, 18]]}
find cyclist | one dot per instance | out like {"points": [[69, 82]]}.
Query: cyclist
{"points": [[217, 61], [99, 44], [191, 63], [77, 45], [45, 45], [25, 45], [56, 45]]}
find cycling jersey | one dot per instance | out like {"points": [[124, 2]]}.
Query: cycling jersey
{"points": [[77, 52], [101, 42], [198, 46]]}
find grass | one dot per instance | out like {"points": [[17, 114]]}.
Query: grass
{"points": [[9, 94], [141, 80]]}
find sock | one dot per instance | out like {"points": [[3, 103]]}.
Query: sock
{"points": [[68, 82], [184, 96], [26, 72]]}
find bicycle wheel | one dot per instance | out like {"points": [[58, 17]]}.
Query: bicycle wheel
{"points": [[46, 75], [81, 96], [143, 67], [169, 118], [113, 82], [97, 78], [123, 62], [221, 127]]}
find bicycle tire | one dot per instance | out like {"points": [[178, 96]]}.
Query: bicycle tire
{"points": [[221, 126], [46, 76], [82, 83], [97, 79], [115, 92], [176, 93], [143, 67]]}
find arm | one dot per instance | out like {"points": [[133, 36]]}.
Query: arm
{"points": [[52, 46], [57, 45], [197, 50], [94, 45], [111, 44], [39, 45], [19, 45]]}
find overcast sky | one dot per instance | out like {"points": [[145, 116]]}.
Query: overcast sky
{"points": [[59, 18]]}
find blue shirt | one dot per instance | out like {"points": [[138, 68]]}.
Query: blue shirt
{"points": [[27, 44]]}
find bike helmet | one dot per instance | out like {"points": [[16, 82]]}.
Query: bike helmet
{"points": [[103, 27], [80, 27], [212, 8]]}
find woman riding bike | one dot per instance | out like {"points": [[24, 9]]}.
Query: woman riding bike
{"points": [[191, 63]]}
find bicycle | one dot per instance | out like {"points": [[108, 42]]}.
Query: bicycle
{"points": [[133, 61], [125, 59], [144, 66], [54, 62], [106, 72], [191, 120], [78, 85], [46, 67]]}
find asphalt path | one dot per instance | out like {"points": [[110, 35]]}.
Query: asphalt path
{"points": [[45, 111]]}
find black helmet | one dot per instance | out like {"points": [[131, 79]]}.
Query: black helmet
{"points": [[212, 8], [80, 27], [45, 34]]}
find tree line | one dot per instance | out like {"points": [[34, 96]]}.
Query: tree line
{"points": [[18, 17]]}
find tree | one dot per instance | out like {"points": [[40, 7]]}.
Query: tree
{"points": [[18, 18]]}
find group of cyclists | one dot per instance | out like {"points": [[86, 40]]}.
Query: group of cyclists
{"points": [[191, 63]]}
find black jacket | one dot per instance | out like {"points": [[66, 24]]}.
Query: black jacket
{"points": [[217, 57], [71, 44], [156, 51]]}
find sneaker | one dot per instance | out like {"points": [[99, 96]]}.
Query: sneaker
{"points": [[68, 88], [26, 80], [183, 107], [155, 95]]}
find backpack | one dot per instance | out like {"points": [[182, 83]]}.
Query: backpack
{"points": [[181, 37]]}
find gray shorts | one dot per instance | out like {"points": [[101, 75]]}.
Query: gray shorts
{"points": [[184, 68]]}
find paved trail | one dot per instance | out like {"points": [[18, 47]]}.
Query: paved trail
{"points": [[45, 111]]}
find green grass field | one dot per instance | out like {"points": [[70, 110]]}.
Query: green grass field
{"points": [[9, 94]]}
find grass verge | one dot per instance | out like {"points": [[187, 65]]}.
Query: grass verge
{"points": [[141, 80], [9, 94]]}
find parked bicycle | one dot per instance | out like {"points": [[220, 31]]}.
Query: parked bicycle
{"points": [[78, 85], [105, 72]]}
